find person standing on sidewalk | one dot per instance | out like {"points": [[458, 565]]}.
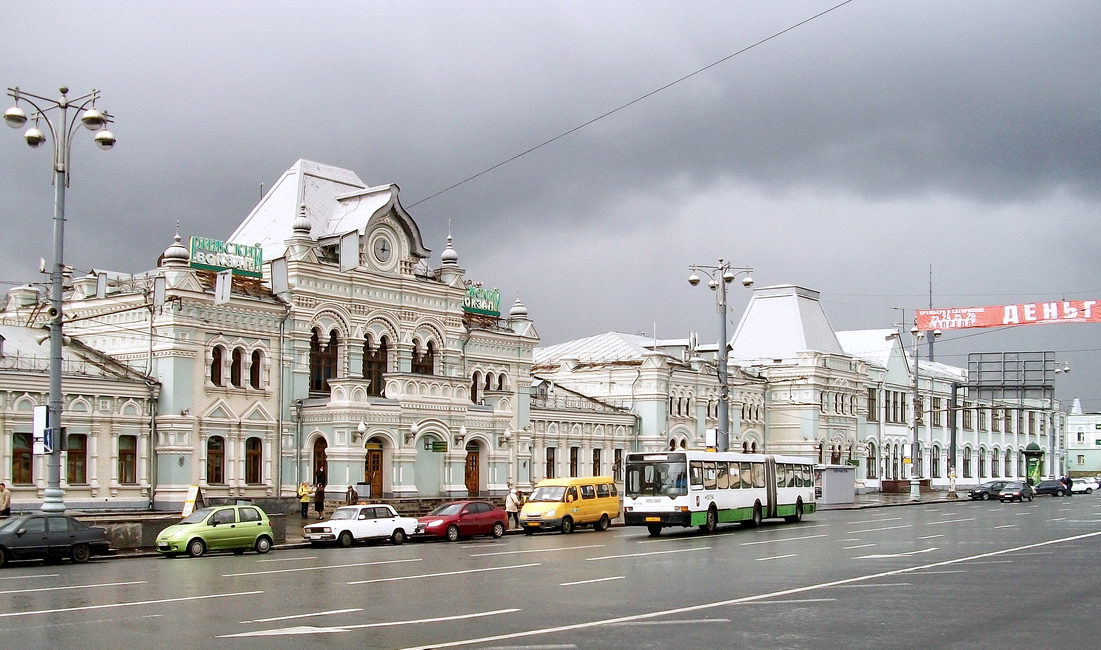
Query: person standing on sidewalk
{"points": [[304, 498], [512, 507], [319, 499], [5, 501]]}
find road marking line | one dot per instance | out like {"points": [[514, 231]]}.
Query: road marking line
{"points": [[737, 601], [879, 556], [687, 622], [878, 584], [284, 618], [1058, 519], [41, 575], [316, 568], [131, 604], [932, 572], [994, 562], [785, 539], [445, 573], [105, 584], [679, 550], [846, 548], [787, 601], [930, 536], [536, 550], [585, 582], [1021, 514], [776, 557], [289, 559], [874, 521], [1006, 526], [310, 629], [949, 521], [873, 530]]}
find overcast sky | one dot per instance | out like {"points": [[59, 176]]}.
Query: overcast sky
{"points": [[848, 155]]}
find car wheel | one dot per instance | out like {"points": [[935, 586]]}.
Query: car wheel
{"points": [[654, 530], [263, 544], [1089, 490], [498, 529], [398, 537], [3, 558], [452, 533], [345, 540], [602, 524], [985, 496], [1030, 498], [1058, 493], [710, 521], [567, 526], [196, 547]]}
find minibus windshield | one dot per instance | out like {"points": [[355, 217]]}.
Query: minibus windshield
{"points": [[547, 493]]}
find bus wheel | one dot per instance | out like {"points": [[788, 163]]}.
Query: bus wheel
{"points": [[756, 520], [654, 530], [798, 516], [709, 523]]}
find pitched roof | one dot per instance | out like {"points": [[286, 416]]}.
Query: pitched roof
{"points": [[872, 346], [609, 346], [779, 323]]}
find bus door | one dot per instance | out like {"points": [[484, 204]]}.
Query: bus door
{"points": [[770, 485]]}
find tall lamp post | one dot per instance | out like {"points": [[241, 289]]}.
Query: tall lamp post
{"points": [[720, 276], [1064, 368], [61, 128]]}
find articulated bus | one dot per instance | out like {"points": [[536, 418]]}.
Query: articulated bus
{"points": [[701, 488]]}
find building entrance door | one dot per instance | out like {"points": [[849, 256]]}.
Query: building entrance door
{"points": [[320, 462], [472, 471], [372, 473]]}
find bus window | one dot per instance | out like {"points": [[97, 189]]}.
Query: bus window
{"points": [[758, 475], [587, 492], [723, 481], [695, 474], [602, 490], [709, 475], [735, 477], [781, 480], [808, 478], [747, 475]]}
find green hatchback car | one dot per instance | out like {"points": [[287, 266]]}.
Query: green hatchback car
{"points": [[236, 528]]}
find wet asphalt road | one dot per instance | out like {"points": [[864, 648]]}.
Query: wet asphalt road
{"points": [[940, 575]]}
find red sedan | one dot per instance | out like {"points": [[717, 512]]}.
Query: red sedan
{"points": [[463, 519]]}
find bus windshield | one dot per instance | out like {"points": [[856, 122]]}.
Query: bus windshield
{"points": [[548, 493], [657, 478]]}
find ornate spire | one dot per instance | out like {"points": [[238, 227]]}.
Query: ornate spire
{"points": [[176, 254]]}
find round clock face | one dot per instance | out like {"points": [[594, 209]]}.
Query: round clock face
{"points": [[383, 249]]}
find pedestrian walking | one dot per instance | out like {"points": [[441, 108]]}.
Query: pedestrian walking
{"points": [[1069, 482], [319, 499], [512, 507], [5, 501], [304, 498]]}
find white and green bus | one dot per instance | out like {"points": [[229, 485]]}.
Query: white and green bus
{"points": [[704, 489]]}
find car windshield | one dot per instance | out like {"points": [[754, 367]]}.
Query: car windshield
{"points": [[447, 509], [345, 513], [1014, 486], [547, 493], [197, 517]]}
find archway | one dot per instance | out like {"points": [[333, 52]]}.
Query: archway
{"points": [[320, 461], [471, 475], [373, 471], [428, 472]]}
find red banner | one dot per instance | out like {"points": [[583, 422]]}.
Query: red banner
{"points": [[1061, 311]]}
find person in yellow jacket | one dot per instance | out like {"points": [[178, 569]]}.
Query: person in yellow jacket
{"points": [[304, 498]]}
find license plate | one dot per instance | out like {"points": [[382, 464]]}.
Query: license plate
{"points": [[653, 519]]}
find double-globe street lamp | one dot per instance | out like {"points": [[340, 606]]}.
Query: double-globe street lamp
{"points": [[61, 129], [718, 277]]}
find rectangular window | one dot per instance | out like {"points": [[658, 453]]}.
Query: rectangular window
{"points": [[21, 459], [602, 490], [548, 470], [982, 419], [128, 460], [938, 412], [575, 456], [1081, 459], [596, 461], [76, 459], [1009, 418], [996, 422], [758, 475], [723, 481], [695, 474], [617, 464], [934, 460], [588, 492], [967, 414]]}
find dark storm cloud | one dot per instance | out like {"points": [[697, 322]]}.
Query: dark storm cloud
{"points": [[849, 154]]}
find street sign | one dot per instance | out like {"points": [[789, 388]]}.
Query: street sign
{"points": [[48, 436]]}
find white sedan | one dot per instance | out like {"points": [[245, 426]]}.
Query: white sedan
{"points": [[1083, 485], [350, 524]]}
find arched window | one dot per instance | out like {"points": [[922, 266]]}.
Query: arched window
{"points": [[935, 461], [375, 365], [1008, 463], [489, 381], [995, 464], [254, 369], [967, 462], [424, 363], [475, 386], [254, 457], [76, 459], [501, 381], [871, 464], [217, 361], [215, 460], [982, 463], [322, 361], [235, 367], [128, 460]]}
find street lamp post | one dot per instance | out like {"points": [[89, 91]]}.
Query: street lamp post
{"points": [[1056, 472], [61, 132], [915, 451], [720, 276]]}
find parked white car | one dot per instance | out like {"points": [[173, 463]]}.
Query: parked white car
{"points": [[350, 524], [1083, 485]]}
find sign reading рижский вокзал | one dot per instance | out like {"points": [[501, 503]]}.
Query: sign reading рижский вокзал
{"points": [[480, 300], [215, 255]]}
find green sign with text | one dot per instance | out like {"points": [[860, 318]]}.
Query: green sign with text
{"points": [[480, 300], [217, 255]]}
